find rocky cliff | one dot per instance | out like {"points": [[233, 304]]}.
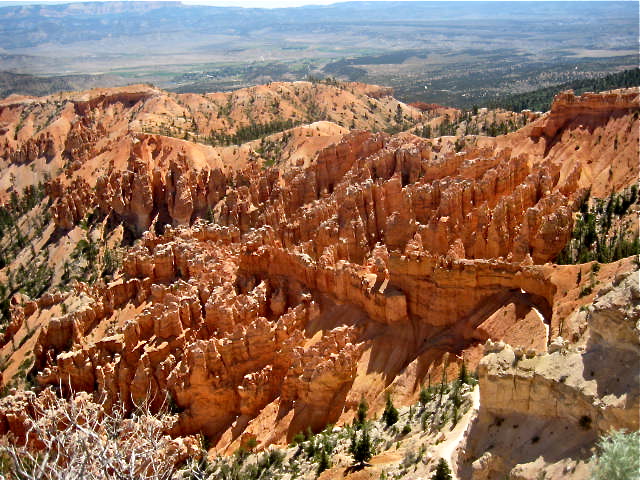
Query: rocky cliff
{"points": [[543, 412], [265, 296]]}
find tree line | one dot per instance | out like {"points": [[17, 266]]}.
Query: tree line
{"points": [[540, 99], [249, 132]]}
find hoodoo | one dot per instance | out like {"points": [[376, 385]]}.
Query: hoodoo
{"points": [[256, 286]]}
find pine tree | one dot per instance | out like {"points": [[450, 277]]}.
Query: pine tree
{"points": [[443, 472], [399, 115], [353, 442], [390, 414], [425, 395], [463, 376], [362, 451], [361, 415], [324, 463]]}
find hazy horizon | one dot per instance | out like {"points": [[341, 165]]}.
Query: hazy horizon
{"points": [[255, 3], [433, 51], [213, 3]]}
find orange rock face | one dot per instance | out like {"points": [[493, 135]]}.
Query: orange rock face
{"points": [[374, 258]]}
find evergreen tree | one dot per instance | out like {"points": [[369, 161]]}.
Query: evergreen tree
{"points": [[443, 472], [361, 415], [390, 414], [425, 396], [399, 115], [363, 450], [541, 99], [323, 463], [463, 376]]}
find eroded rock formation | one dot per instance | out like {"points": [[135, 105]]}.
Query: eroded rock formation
{"points": [[558, 403], [352, 273]]}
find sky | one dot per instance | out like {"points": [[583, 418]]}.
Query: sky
{"points": [[261, 4], [220, 3]]}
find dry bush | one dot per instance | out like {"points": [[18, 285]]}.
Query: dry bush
{"points": [[79, 439]]}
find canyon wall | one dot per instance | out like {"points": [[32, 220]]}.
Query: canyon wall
{"points": [[373, 266]]}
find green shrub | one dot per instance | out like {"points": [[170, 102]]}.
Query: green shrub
{"points": [[426, 395], [298, 438], [410, 458], [618, 457], [111, 261], [323, 463]]}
